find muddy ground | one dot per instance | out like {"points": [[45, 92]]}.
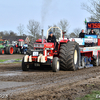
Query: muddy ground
{"points": [[43, 84]]}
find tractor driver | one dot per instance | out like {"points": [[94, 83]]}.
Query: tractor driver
{"points": [[52, 38]]}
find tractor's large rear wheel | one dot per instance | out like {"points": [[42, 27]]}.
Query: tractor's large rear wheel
{"points": [[7, 49], [10, 50], [62, 56], [72, 56]]}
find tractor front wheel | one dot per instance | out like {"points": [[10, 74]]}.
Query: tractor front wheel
{"points": [[55, 64], [25, 67], [2, 51]]}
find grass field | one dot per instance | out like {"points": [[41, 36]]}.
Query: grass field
{"points": [[15, 60], [94, 95]]}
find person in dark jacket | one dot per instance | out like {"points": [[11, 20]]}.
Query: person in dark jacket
{"points": [[51, 38], [81, 35], [92, 32]]}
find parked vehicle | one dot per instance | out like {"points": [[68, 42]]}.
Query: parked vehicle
{"points": [[6, 48]]}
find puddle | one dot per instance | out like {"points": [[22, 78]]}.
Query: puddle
{"points": [[10, 73], [13, 73], [12, 84]]}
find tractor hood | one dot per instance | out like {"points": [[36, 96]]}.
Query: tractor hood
{"points": [[49, 45]]}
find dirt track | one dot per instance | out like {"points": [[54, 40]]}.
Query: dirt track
{"points": [[43, 84]]}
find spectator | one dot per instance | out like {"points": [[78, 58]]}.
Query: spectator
{"points": [[81, 35], [92, 32], [25, 48]]}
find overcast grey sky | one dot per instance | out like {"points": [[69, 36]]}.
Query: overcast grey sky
{"points": [[50, 12]]}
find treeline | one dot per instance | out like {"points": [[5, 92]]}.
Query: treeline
{"points": [[6, 33]]}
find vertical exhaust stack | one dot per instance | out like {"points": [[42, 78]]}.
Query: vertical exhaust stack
{"points": [[42, 36]]}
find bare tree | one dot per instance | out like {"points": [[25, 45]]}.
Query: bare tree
{"points": [[6, 33], [20, 29], [63, 24], [11, 33], [72, 35], [55, 31], [33, 27], [76, 32], [1, 34], [93, 9]]}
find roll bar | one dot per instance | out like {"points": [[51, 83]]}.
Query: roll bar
{"points": [[51, 28]]}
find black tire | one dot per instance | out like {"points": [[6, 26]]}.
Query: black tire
{"points": [[7, 48], [55, 64], [72, 56], [95, 62], [18, 50], [62, 56], [15, 50], [24, 66], [10, 50], [31, 66], [2, 51]]}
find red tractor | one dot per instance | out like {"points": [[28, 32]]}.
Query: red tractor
{"points": [[42, 52], [72, 54]]}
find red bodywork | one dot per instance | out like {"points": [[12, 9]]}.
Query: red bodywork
{"points": [[40, 41], [87, 53], [20, 40], [46, 53], [48, 49], [98, 41]]}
